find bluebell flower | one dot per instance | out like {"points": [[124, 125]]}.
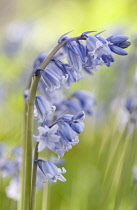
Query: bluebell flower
{"points": [[78, 117], [72, 106], [69, 117], [13, 190], [82, 50], [91, 64], [61, 136], [64, 145], [17, 152], [80, 100], [98, 49], [40, 179], [66, 130], [116, 39], [59, 142], [75, 121], [86, 100], [118, 50], [9, 168], [124, 45], [54, 97], [73, 53], [93, 44], [51, 171], [51, 80], [47, 137], [43, 108], [131, 104], [68, 137], [66, 69], [118, 43]]}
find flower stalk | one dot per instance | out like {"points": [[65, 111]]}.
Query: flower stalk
{"points": [[34, 177], [29, 133]]}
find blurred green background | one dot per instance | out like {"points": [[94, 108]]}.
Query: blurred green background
{"points": [[96, 167]]}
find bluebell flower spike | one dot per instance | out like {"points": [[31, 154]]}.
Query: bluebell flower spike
{"points": [[62, 133]]}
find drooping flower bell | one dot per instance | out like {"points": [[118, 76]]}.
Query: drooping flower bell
{"points": [[51, 171], [86, 100], [118, 43], [72, 51], [43, 108]]}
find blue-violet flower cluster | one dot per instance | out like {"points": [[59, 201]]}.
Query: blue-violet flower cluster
{"points": [[61, 119]]}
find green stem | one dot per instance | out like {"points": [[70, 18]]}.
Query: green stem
{"points": [[135, 196], [21, 202], [115, 158], [29, 133], [34, 177], [127, 166], [45, 197]]}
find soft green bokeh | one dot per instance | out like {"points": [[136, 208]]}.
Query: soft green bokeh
{"points": [[93, 166]]}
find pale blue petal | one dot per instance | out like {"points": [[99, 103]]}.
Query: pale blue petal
{"points": [[42, 145]]}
